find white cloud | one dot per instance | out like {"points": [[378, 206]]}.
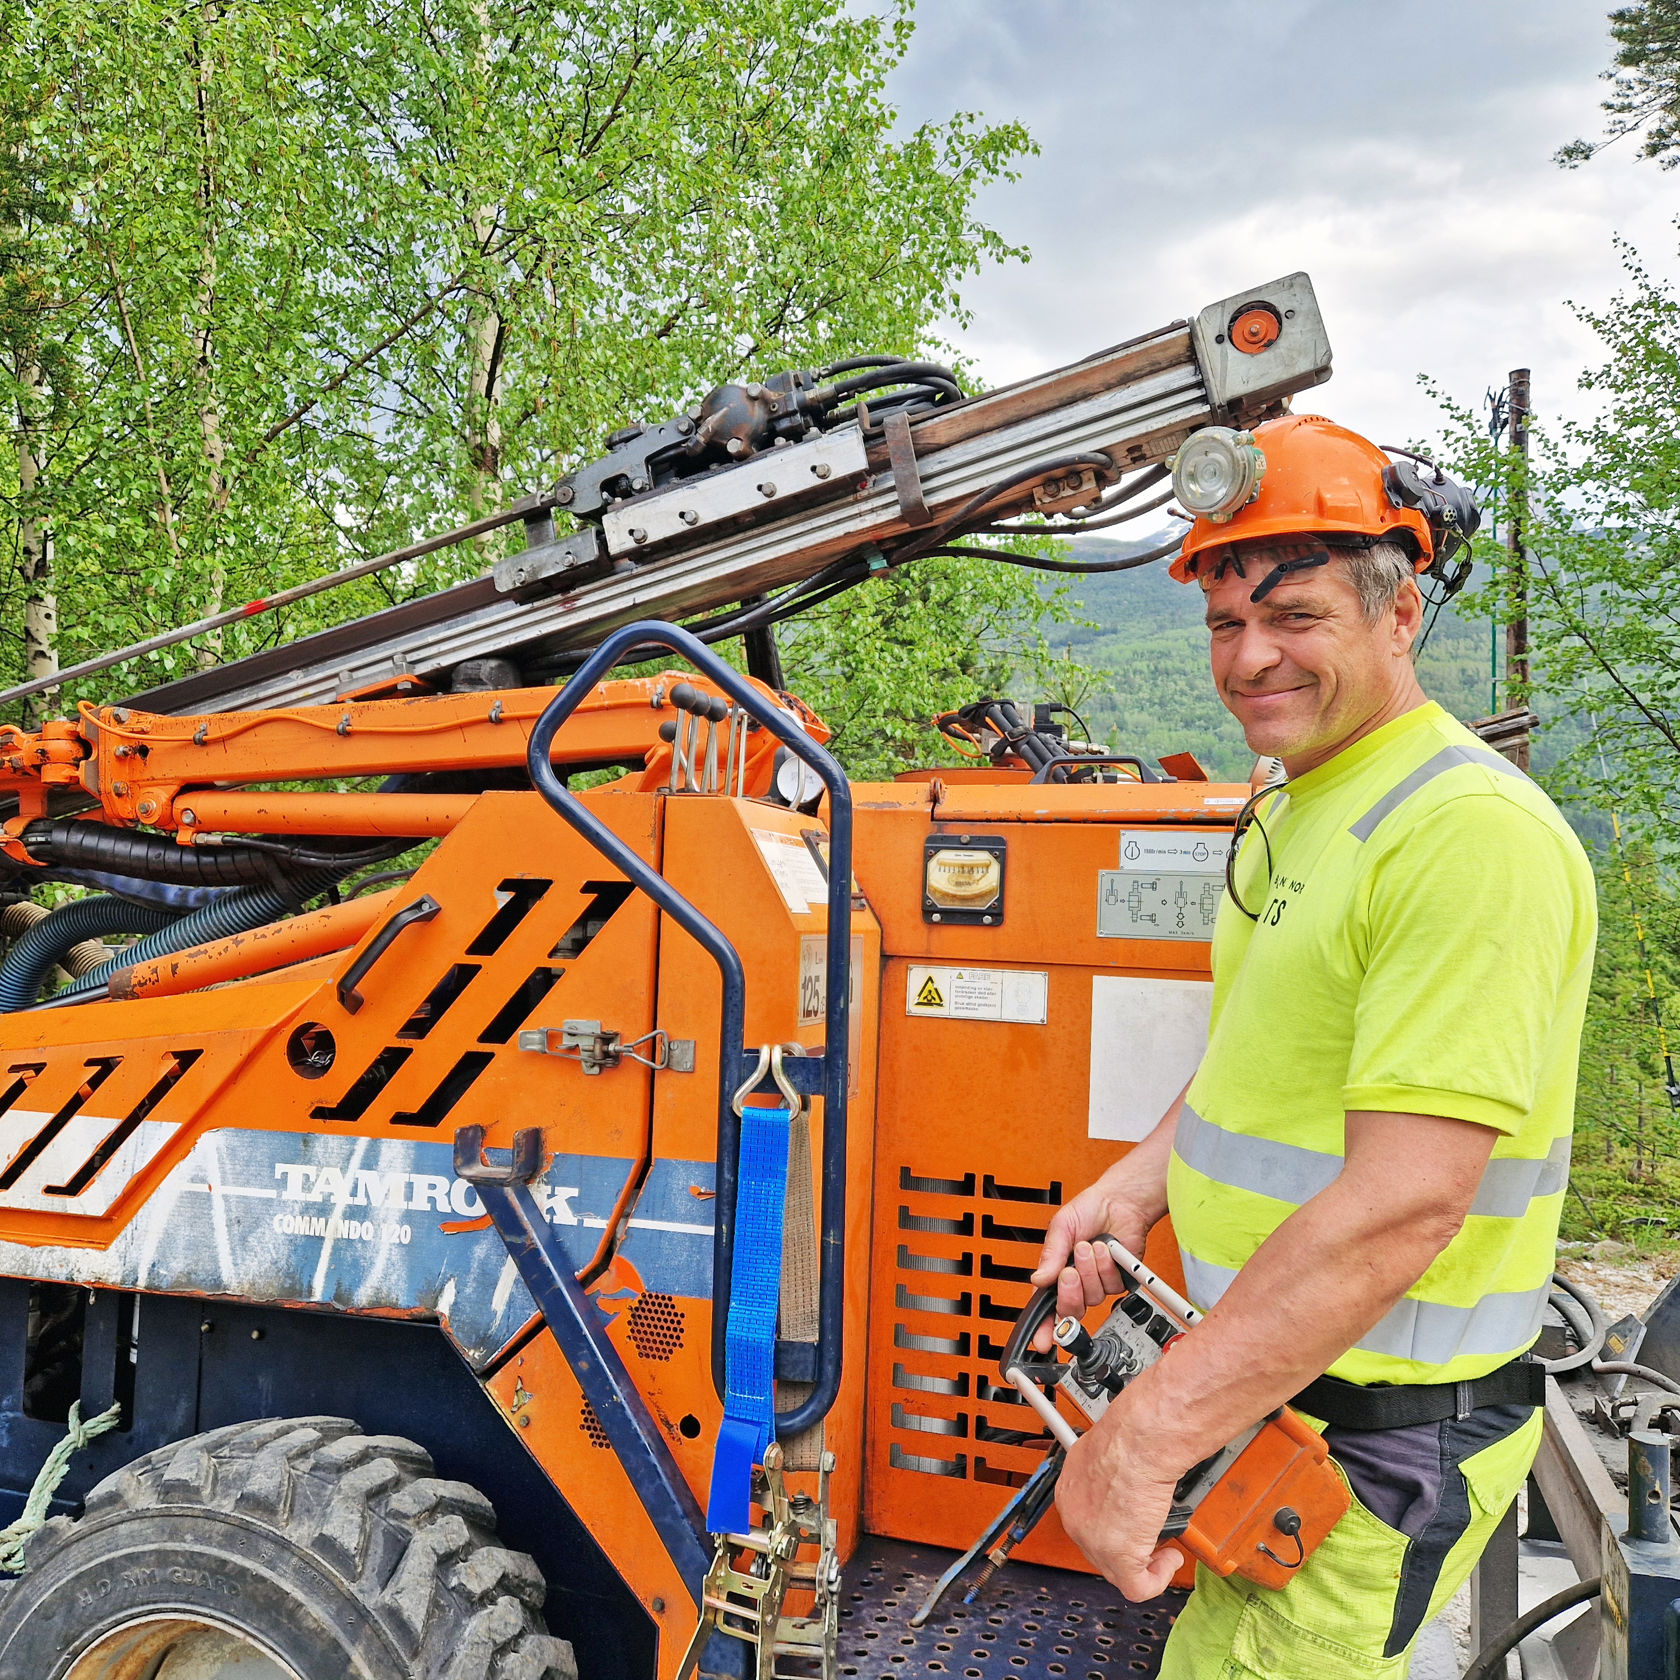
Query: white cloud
{"points": [[1402, 158]]}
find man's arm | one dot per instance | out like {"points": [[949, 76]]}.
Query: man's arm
{"points": [[1126, 1202], [1311, 1290]]}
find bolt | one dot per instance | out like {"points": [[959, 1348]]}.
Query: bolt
{"points": [[936, 916], [638, 484], [148, 809], [767, 489], [188, 818], [520, 574], [524, 1421], [120, 715], [658, 1607], [122, 752], [755, 392], [688, 516], [564, 494], [256, 1335], [684, 426], [736, 446], [637, 534], [120, 789], [204, 1327], [821, 468]]}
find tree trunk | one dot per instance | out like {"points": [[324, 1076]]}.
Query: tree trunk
{"points": [[35, 545], [204, 363], [485, 335]]}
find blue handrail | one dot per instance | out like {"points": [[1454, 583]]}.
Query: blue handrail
{"points": [[731, 1051]]}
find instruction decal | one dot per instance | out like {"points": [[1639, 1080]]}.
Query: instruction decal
{"points": [[797, 875], [1168, 886], [979, 994]]}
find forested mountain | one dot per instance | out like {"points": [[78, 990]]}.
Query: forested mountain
{"points": [[1153, 693]]}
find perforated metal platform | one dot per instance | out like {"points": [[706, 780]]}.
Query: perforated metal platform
{"points": [[1028, 1623]]}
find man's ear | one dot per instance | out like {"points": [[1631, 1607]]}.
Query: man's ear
{"points": [[1408, 616]]}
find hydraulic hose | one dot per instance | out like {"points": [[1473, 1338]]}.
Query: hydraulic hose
{"points": [[232, 913], [177, 900], [150, 857], [1491, 1659], [1572, 1302], [37, 951]]}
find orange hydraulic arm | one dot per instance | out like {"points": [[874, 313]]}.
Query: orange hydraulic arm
{"points": [[176, 773]]}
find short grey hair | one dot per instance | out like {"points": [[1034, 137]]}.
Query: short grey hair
{"points": [[1376, 574]]}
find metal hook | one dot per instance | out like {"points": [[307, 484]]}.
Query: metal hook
{"points": [[796, 1100], [750, 1083]]}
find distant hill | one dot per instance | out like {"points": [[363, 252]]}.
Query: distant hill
{"points": [[1151, 646]]}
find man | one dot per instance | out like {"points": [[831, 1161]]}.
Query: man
{"points": [[1365, 1174]]}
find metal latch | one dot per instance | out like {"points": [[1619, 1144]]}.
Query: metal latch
{"points": [[597, 1048]]}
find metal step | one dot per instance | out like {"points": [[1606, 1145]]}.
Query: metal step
{"points": [[1029, 1622]]}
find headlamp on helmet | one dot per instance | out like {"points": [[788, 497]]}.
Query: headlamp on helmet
{"points": [[1217, 473]]}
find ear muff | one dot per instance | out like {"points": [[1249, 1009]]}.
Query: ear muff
{"points": [[1450, 509]]}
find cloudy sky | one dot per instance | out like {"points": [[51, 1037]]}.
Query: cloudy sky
{"points": [[1402, 156]]}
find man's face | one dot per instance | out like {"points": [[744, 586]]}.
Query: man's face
{"points": [[1302, 671]]}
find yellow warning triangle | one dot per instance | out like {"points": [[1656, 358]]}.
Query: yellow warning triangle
{"points": [[930, 996]]}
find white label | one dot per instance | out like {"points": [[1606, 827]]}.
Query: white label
{"points": [[1153, 905], [795, 871], [979, 994], [813, 982], [1147, 1038], [1177, 854]]}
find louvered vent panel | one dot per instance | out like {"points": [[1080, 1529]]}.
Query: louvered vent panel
{"points": [[966, 1247]]}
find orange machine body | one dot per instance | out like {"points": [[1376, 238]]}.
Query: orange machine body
{"points": [[254, 1138]]}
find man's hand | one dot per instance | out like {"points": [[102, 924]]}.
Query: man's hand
{"points": [[1126, 1202], [1114, 1496]]}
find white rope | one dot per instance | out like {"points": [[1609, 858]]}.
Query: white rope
{"points": [[14, 1536]]}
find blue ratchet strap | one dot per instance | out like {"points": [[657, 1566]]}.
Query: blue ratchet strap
{"points": [[749, 1402]]}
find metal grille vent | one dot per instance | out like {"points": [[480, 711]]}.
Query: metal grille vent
{"points": [[591, 1426], [656, 1326], [967, 1246]]}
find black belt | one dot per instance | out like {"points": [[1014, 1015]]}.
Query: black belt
{"points": [[1347, 1405]]}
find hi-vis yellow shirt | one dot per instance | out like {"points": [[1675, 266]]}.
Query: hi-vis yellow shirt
{"points": [[1425, 944]]}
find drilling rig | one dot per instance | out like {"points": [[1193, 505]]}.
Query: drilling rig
{"points": [[590, 1250]]}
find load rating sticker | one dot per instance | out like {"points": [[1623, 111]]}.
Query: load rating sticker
{"points": [[979, 994]]}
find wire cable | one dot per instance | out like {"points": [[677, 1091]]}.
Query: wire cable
{"points": [[1037, 563], [1490, 1660]]}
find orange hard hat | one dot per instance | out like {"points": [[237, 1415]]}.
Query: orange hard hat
{"points": [[1298, 476]]}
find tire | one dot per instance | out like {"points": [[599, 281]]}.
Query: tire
{"points": [[294, 1549]]}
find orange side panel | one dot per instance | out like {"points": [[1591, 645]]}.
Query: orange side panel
{"points": [[982, 1129]]}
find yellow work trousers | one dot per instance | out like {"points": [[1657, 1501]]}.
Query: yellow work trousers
{"points": [[1358, 1604]]}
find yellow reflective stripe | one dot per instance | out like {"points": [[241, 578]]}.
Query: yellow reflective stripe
{"points": [[1448, 758], [1428, 1332], [1288, 1172]]}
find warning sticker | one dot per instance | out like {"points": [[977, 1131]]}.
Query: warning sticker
{"points": [[797, 876], [1176, 854], [979, 994]]}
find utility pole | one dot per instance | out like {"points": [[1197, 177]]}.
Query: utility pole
{"points": [[1508, 731], [1516, 530]]}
